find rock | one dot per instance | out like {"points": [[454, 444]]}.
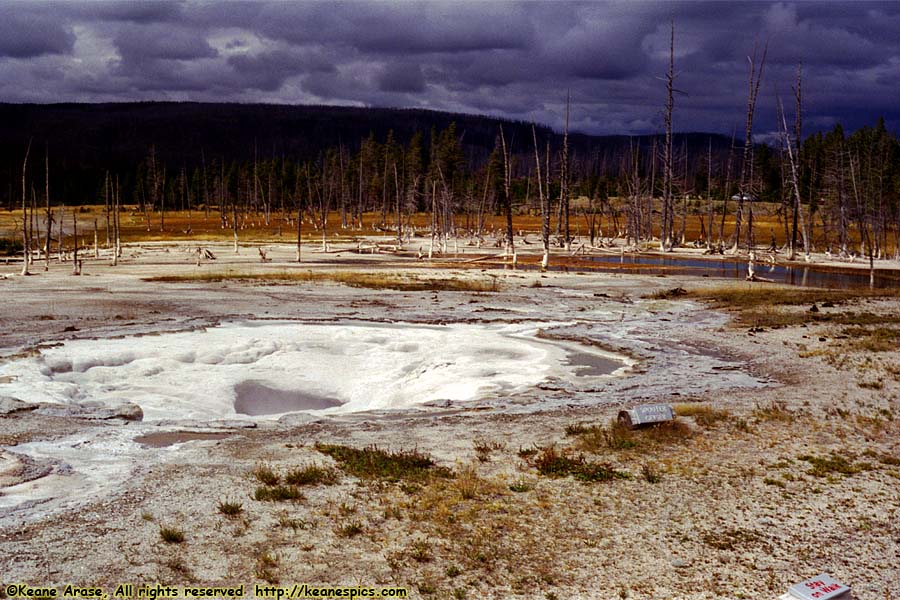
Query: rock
{"points": [[680, 563], [292, 419], [127, 411], [9, 405], [813, 308], [218, 425]]}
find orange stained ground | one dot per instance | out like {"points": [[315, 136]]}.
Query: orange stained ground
{"points": [[184, 226]]}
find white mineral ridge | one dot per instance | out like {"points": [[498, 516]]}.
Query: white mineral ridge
{"points": [[364, 366]]}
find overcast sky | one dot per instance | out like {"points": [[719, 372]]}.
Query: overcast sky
{"points": [[498, 58]]}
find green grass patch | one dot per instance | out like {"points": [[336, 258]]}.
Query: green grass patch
{"points": [[617, 436], [551, 462], [278, 493], [230, 509], [823, 466], [375, 463], [171, 535], [266, 475], [349, 530], [10, 246], [312, 474]]}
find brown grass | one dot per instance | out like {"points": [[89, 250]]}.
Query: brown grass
{"points": [[771, 306], [878, 339], [616, 436], [375, 281], [703, 414]]}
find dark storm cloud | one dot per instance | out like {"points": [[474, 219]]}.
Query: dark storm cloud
{"points": [[399, 28], [153, 11], [268, 71], [513, 59], [24, 33], [161, 41], [401, 77]]}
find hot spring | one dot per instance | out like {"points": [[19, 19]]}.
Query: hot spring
{"points": [[263, 369]]}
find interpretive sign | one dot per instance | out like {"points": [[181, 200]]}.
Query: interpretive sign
{"points": [[820, 587], [646, 414]]}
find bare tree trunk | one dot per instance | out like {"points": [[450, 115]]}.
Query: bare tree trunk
{"points": [[746, 165], [727, 190], [480, 225], [117, 224], [545, 209], [709, 201], [665, 241], [863, 222], [299, 224], [76, 267], [564, 181], [205, 188], [106, 194], [49, 213], [510, 246], [26, 243], [60, 257], [399, 216], [433, 217], [96, 241]]}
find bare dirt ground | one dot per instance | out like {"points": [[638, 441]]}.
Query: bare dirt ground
{"points": [[784, 461]]}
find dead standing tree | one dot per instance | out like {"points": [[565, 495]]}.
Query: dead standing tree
{"points": [[49, 212], [798, 139], [795, 187], [545, 204], [26, 242], [510, 250], [666, 235], [564, 183], [745, 185]]}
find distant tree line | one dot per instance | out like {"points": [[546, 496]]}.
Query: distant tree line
{"points": [[320, 161]]}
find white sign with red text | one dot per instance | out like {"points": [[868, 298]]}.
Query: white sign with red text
{"points": [[820, 587]]}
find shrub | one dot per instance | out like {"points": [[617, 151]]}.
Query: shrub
{"points": [[375, 463], [266, 475], [278, 493], [311, 475], [552, 463], [705, 416], [171, 535], [822, 466], [230, 509], [349, 530]]}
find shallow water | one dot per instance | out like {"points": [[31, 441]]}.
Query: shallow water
{"points": [[800, 275], [256, 399]]}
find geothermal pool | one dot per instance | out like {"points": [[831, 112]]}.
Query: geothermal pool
{"points": [[263, 369]]}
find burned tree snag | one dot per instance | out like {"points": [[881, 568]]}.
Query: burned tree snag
{"points": [[26, 243], [545, 209]]}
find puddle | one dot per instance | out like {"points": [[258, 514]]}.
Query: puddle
{"points": [[255, 399], [592, 365]]}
